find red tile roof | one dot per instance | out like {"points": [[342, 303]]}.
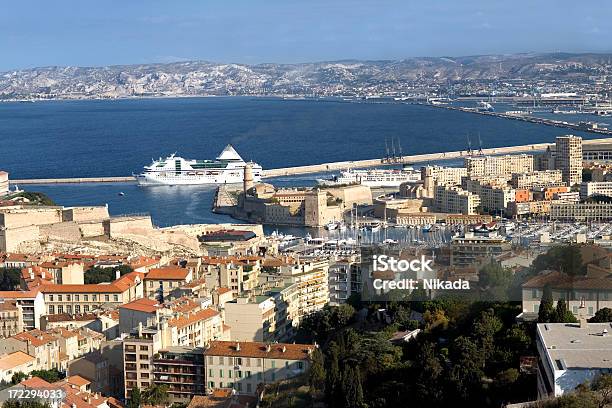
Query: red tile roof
{"points": [[167, 274], [142, 305], [191, 318], [259, 350]]}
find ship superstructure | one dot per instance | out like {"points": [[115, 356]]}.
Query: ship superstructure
{"points": [[227, 168]]}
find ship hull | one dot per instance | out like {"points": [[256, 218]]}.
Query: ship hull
{"points": [[188, 180]]}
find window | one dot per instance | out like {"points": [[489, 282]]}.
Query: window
{"points": [[107, 298], [221, 360], [145, 375], [229, 373], [60, 309], [300, 365], [69, 309], [94, 298], [76, 298], [210, 360], [220, 373], [68, 298], [59, 298], [86, 298], [144, 348], [211, 384], [211, 372], [51, 298], [77, 309], [238, 361], [144, 366], [51, 309], [86, 308], [144, 357], [273, 363], [248, 374], [115, 298], [144, 384]]}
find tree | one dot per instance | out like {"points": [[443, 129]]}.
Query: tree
{"points": [[602, 316], [333, 385], [18, 377], [135, 398], [49, 376], [571, 260], [467, 372], [351, 387], [156, 395], [429, 370], [15, 403], [9, 278], [97, 274], [562, 313], [495, 280], [546, 306], [485, 329], [603, 389], [316, 375]]}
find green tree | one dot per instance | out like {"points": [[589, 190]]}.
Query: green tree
{"points": [[602, 316], [135, 398], [467, 372], [18, 377], [485, 329], [9, 278], [351, 387], [546, 306], [97, 274], [316, 375], [156, 395], [562, 313], [429, 372], [495, 280], [49, 376], [571, 260], [333, 385]]}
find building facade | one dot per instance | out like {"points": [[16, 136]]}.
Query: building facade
{"points": [[568, 158]]}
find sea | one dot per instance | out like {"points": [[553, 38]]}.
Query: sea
{"points": [[89, 138]]}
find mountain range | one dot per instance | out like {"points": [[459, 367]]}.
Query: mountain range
{"points": [[348, 77]]}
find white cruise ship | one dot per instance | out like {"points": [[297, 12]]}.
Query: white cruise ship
{"points": [[227, 168], [374, 178]]}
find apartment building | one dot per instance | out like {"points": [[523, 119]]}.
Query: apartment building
{"points": [[252, 319], [344, 280], [16, 362], [41, 345], [498, 165], [11, 318], [472, 250], [580, 212], [568, 158], [31, 306], [571, 355], [159, 282], [584, 295], [85, 298], [311, 278], [181, 369], [602, 188], [244, 366], [455, 200], [444, 175], [493, 198], [541, 178]]}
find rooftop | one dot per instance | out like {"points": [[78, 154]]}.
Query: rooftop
{"points": [[167, 274], [259, 350], [574, 347], [15, 359]]}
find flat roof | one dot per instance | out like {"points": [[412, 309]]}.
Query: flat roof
{"points": [[576, 347]]}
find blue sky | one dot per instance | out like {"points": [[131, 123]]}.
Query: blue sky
{"points": [[86, 33]]}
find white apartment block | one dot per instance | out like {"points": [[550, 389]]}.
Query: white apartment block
{"points": [[493, 198], [590, 188], [535, 179], [498, 165], [243, 366], [455, 200], [570, 355]]}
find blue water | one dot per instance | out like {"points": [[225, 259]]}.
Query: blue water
{"points": [[116, 138]]}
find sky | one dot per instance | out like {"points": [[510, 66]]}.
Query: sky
{"points": [[109, 32]]}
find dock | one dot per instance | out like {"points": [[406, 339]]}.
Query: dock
{"points": [[336, 166]]}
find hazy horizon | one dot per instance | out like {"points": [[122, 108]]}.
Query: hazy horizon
{"points": [[72, 33]]}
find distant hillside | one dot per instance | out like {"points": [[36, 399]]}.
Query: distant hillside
{"points": [[324, 78]]}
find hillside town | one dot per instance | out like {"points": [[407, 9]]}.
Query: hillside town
{"points": [[114, 311]]}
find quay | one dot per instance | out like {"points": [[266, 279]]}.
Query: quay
{"points": [[76, 180], [335, 166], [527, 118]]}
